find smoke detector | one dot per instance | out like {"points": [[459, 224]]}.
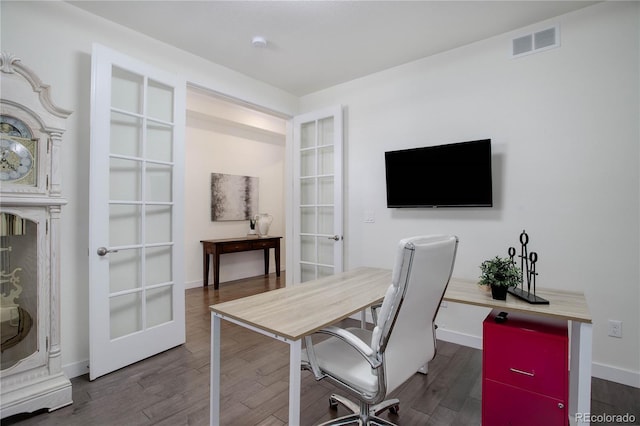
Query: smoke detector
{"points": [[259, 42]]}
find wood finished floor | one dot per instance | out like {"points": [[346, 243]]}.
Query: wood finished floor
{"points": [[172, 388]]}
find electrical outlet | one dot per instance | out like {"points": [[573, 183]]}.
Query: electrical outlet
{"points": [[615, 328]]}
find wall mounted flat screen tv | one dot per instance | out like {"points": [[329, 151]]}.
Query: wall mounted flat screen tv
{"points": [[451, 175]]}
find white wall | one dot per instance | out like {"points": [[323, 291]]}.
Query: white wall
{"points": [[54, 39], [564, 126]]}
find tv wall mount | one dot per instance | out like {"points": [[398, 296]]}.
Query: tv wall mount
{"points": [[528, 272]]}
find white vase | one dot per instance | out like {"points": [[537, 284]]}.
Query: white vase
{"points": [[263, 221]]}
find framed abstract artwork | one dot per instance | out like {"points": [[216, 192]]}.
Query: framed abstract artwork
{"points": [[233, 197]]}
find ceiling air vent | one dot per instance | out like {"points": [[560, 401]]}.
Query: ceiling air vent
{"points": [[535, 42]]}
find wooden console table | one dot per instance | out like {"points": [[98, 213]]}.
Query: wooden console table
{"points": [[234, 245]]}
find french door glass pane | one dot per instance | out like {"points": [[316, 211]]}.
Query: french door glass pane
{"points": [[159, 305], [325, 190], [125, 177], [158, 182], [325, 271], [126, 90], [125, 227], [125, 314], [126, 134], [124, 270], [325, 220], [307, 272], [308, 220], [158, 222], [307, 191], [307, 248], [158, 265], [308, 135], [325, 131], [308, 163], [325, 160], [159, 142], [159, 101], [325, 250]]}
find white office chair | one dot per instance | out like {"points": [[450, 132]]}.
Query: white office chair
{"points": [[371, 364]]}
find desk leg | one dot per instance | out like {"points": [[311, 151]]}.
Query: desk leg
{"points": [[580, 372], [214, 398], [277, 259], [295, 376]]}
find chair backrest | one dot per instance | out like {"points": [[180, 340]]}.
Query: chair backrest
{"points": [[405, 331]]}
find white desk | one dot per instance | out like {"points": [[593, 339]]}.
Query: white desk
{"points": [[288, 314], [564, 305]]}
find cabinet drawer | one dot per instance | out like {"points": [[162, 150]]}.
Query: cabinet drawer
{"points": [[527, 355], [504, 405], [263, 244], [234, 247]]}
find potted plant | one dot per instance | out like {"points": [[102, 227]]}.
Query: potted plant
{"points": [[500, 274]]}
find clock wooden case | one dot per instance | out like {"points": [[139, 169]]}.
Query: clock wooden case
{"points": [[31, 128]]}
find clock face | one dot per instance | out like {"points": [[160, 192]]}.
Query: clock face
{"points": [[16, 160], [17, 152], [12, 126]]}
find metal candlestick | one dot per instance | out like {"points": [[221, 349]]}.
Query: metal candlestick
{"points": [[527, 271]]}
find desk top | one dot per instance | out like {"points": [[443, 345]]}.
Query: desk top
{"points": [[238, 239], [297, 311], [564, 305]]}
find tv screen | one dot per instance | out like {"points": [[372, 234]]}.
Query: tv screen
{"points": [[451, 175]]}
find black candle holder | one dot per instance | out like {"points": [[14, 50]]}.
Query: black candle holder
{"points": [[528, 272]]}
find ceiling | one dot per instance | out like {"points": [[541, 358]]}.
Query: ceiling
{"points": [[312, 45]]}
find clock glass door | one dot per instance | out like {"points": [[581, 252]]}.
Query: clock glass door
{"points": [[19, 289], [136, 182]]}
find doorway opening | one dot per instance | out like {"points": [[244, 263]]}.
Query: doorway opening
{"points": [[227, 136]]}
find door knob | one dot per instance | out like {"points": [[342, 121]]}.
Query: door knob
{"points": [[103, 251], [335, 238]]}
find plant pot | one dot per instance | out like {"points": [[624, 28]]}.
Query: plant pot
{"points": [[499, 292]]}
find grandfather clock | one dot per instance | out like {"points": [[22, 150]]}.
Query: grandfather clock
{"points": [[31, 128]]}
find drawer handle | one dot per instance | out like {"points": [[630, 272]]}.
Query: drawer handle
{"points": [[526, 373]]}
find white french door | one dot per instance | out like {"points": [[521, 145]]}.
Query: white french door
{"points": [[317, 194], [136, 256]]}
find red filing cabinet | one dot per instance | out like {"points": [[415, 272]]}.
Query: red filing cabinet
{"points": [[525, 371]]}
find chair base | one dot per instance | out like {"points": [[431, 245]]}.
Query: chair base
{"points": [[363, 414]]}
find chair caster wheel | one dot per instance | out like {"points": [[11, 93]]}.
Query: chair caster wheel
{"points": [[394, 409], [333, 403]]}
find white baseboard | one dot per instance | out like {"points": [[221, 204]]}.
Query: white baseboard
{"points": [[194, 284], [200, 283], [76, 369], [459, 338], [599, 370], [616, 374]]}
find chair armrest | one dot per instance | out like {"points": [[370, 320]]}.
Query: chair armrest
{"points": [[355, 342]]}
